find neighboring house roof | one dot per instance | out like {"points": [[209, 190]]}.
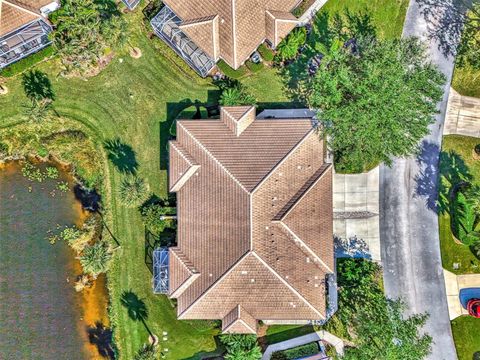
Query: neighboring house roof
{"points": [[17, 13], [233, 29], [254, 203]]}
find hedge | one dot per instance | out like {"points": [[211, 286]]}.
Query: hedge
{"points": [[266, 53], [297, 352], [254, 67], [229, 72], [26, 63]]}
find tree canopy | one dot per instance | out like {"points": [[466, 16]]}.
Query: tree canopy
{"points": [[84, 30], [374, 97], [95, 258]]}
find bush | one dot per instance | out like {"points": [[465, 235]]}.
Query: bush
{"points": [[133, 191], [297, 352], [26, 63], [266, 53], [254, 67], [464, 220], [152, 217], [237, 96], [230, 72]]}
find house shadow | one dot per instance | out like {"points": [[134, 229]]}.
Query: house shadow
{"points": [[102, 337]]}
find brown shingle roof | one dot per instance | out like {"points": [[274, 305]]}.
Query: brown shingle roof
{"points": [[229, 226], [242, 23], [17, 13]]}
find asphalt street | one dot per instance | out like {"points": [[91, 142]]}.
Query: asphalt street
{"points": [[408, 222]]}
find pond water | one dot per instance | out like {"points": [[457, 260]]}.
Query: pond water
{"points": [[41, 315]]}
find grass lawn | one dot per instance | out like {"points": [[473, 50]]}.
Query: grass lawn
{"points": [[466, 330], [279, 333], [387, 15], [460, 148], [134, 100], [466, 81]]}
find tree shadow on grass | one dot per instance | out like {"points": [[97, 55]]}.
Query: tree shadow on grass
{"points": [[136, 308], [37, 85], [439, 174], [102, 338], [122, 156]]}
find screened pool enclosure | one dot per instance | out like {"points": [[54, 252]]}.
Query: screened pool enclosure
{"points": [[23, 42], [160, 270], [165, 24]]}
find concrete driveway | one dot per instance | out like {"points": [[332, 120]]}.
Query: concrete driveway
{"points": [[408, 220], [463, 115], [355, 212]]}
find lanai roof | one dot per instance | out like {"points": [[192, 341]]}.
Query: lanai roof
{"points": [[232, 29], [17, 13]]}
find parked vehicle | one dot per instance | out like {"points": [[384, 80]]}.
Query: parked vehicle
{"points": [[473, 307]]}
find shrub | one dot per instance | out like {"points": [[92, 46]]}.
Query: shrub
{"points": [[28, 62], [297, 352], [152, 217], [254, 67], [243, 347], [133, 191], [95, 258], [3, 150], [464, 218], [230, 72], [236, 96], [288, 48], [266, 53]]}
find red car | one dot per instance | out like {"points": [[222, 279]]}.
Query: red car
{"points": [[473, 307]]}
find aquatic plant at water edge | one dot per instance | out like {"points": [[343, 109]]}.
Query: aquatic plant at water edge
{"points": [[95, 258]]}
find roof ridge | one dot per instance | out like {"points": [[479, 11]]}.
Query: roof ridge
{"points": [[268, 267], [212, 157], [183, 153], [20, 6], [302, 192], [303, 246], [197, 21], [295, 291], [292, 150]]}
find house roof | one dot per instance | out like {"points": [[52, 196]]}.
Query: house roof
{"points": [[234, 28], [254, 220], [17, 13]]}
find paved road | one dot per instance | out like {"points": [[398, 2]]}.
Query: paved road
{"points": [[409, 224]]}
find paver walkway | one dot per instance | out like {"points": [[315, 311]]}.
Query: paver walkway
{"points": [[454, 285], [336, 342], [463, 115]]}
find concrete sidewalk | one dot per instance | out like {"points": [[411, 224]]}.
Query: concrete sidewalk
{"points": [[454, 285], [463, 115], [322, 335]]}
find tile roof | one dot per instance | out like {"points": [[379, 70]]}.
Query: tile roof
{"points": [[242, 25], [255, 220], [17, 13]]}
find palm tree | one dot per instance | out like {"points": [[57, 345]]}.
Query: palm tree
{"points": [[137, 310], [241, 347], [133, 191], [288, 48], [147, 352], [95, 259]]}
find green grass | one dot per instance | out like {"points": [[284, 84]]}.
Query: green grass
{"points": [[135, 100], [466, 81], [466, 330], [452, 252], [279, 333], [387, 15]]}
